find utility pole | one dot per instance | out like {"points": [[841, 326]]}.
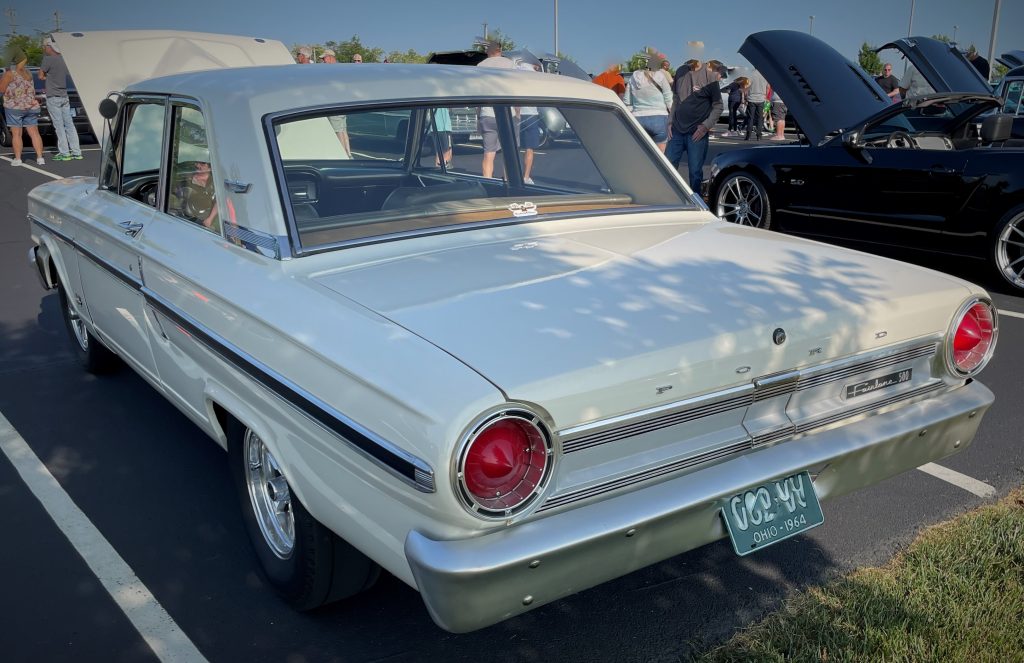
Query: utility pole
{"points": [[811, 30], [992, 41], [485, 29], [955, 28], [12, 19], [910, 28], [56, 21]]}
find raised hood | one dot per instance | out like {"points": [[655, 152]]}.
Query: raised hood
{"points": [[824, 91], [102, 62], [601, 321], [943, 65]]}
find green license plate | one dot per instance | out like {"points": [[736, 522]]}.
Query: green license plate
{"points": [[776, 510]]}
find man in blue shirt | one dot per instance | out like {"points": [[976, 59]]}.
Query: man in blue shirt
{"points": [[55, 73]]}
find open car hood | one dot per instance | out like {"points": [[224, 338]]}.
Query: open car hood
{"points": [[824, 91], [102, 62], [943, 65]]}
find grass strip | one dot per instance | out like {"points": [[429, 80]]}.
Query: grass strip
{"points": [[955, 594]]}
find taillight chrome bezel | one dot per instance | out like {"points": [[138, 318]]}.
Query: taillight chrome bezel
{"points": [[466, 497], [949, 352]]}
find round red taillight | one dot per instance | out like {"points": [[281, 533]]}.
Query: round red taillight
{"points": [[974, 338], [504, 464]]}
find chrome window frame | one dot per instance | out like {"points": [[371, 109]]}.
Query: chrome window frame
{"points": [[295, 244]]}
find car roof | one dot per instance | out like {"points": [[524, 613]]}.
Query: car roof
{"points": [[258, 91]]}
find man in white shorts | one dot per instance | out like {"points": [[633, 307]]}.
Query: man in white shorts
{"points": [[488, 125]]}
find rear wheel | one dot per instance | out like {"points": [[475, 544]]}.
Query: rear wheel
{"points": [[5, 134], [1008, 247], [305, 562], [742, 199], [94, 356]]}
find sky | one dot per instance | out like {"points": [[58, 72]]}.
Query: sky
{"points": [[595, 33]]}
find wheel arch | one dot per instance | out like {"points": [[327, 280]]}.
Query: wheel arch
{"points": [[749, 167]]}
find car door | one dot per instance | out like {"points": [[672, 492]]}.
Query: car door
{"points": [[110, 261]]}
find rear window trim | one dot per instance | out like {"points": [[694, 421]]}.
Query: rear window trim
{"points": [[297, 250]]}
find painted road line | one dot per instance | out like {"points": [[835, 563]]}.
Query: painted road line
{"points": [[979, 488], [31, 167], [1012, 314], [149, 618]]}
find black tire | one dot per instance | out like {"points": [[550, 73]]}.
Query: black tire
{"points": [[5, 134], [320, 567], [742, 199], [94, 356], [1006, 248]]}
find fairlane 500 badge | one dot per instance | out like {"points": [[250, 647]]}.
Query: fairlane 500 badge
{"points": [[869, 386]]}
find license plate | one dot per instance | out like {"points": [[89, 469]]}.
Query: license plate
{"points": [[776, 510], [74, 113], [476, 136]]}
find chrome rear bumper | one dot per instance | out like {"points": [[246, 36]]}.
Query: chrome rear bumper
{"points": [[472, 583]]}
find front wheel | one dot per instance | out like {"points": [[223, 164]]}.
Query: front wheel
{"points": [[1008, 247], [93, 355], [305, 562], [742, 199]]}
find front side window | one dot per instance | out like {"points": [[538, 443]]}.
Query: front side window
{"points": [[1012, 104], [132, 164], [192, 195], [352, 175]]}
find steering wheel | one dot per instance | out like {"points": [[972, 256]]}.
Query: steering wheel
{"points": [[197, 202], [901, 139]]}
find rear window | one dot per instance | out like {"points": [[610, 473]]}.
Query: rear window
{"points": [[351, 175]]}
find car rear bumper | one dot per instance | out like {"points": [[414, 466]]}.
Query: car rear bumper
{"points": [[472, 583]]}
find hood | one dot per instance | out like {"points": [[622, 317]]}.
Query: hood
{"points": [[605, 320], [824, 91], [943, 65], [1011, 59], [102, 62]]}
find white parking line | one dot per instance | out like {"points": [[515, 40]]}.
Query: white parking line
{"points": [[149, 618], [979, 488], [31, 167], [1012, 314]]}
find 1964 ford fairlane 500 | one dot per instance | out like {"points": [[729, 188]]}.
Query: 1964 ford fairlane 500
{"points": [[500, 389]]}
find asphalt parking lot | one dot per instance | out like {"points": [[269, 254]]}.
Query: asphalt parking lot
{"points": [[113, 501]]}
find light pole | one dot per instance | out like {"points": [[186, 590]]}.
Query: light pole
{"points": [[992, 41], [955, 28], [556, 28], [811, 30], [910, 28]]}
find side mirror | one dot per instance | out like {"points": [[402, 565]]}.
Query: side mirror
{"points": [[851, 141], [108, 109]]}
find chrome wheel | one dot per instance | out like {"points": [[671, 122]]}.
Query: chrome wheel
{"points": [[1010, 251], [742, 200], [78, 329], [269, 495]]}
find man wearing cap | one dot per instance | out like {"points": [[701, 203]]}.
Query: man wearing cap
{"points": [[980, 63], [54, 71], [357, 58], [698, 107], [304, 55], [328, 57], [488, 125]]}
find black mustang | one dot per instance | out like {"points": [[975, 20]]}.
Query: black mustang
{"points": [[935, 173]]}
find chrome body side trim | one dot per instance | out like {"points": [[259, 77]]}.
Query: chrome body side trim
{"points": [[257, 241], [403, 465]]}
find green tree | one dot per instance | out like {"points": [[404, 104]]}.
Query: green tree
{"points": [[869, 60], [344, 50], [507, 43], [637, 61], [945, 39], [33, 47], [410, 56]]}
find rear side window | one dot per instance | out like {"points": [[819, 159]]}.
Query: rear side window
{"points": [[354, 175]]}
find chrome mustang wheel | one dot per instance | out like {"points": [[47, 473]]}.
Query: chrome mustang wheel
{"points": [[1009, 248], [743, 200], [270, 496]]}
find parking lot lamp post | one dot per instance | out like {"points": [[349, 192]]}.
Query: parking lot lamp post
{"points": [[556, 28], [992, 41], [910, 28], [955, 28], [811, 30]]}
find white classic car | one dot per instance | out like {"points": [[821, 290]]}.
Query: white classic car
{"points": [[502, 376]]}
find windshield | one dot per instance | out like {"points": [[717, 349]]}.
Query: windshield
{"points": [[358, 174]]}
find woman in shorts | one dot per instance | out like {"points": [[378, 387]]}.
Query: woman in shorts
{"points": [[21, 109], [649, 96]]}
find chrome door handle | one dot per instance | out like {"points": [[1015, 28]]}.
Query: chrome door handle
{"points": [[131, 228]]}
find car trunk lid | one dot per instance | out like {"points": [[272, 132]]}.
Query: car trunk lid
{"points": [[943, 65]]}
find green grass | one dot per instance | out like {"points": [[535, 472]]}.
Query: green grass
{"points": [[956, 594]]}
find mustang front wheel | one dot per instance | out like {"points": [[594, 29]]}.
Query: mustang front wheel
{"points": [[1008, 247], [742, 199], [305, 562]]}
